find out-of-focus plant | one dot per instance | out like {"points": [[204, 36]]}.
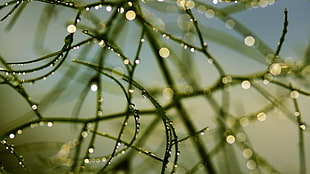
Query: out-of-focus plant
{"points": [[132, 76]]}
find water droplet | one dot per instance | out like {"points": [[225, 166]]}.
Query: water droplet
{"points": [[94, 87], [130, 15], [144, 94], [3, 141], [120, 10], [268, 77], [137, 61], [19, 131], [100, 100], [249, 41], [71, 28], [230, 24], [78, 20], [201, 9], [226, 79], [241, 137], [230, 139], [91, 149], [297, 114], [251, 164], [244, 121], [275, 69], [87, 8], [263, 3], [131, 90], [132, 106], [86, 160], [84, 134], [126, 61], [247, 153], [210, 61], [103, 159], [164, 52], [302, 126], [192, 50], [294, 94], [89, 125], [34, 107], [97, 7], [261, 116], [11, 136], [210, 13], [185, 46], [246, 84], [189, 4], [168, 93], [99, 113], [85, 31], [49, 124], [101, 43]]}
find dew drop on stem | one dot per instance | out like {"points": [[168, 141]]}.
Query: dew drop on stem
{"points": [[91, 149], [86, 160], [144, 94], [34, 106], [11, 136], [49, 124]]}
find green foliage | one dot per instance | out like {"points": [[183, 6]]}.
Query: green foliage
{"points": [[148, 87]]}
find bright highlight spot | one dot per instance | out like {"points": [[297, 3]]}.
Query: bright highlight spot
{"points": [[11, 136], [86, 160], [303, 127], [91, 150], [164, 52], [261, 116], [230, 139], [246, 84], [34, 107], [294, 94], [275, 69], [130, 15], [108, 8], [84, 134], [101, 43], [49, 124], [249, 41], [71, 28], [126, 61], [94, 87]]}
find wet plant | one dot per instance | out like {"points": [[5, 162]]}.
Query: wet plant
{"points": [[150, 87]]}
